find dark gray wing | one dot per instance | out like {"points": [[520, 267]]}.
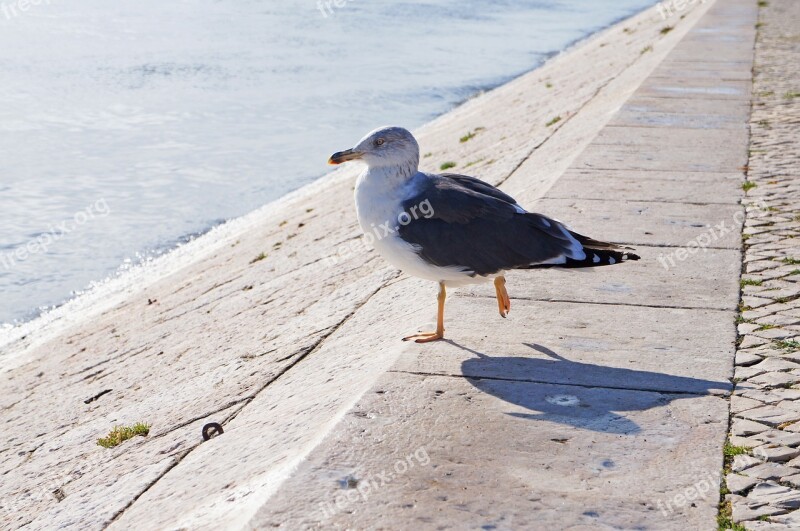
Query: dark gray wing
{"points": [[475, 226], [477, 185]]}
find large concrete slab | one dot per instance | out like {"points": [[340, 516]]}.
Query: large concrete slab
{"points": [[714, 53], [703, 279], [691, 142], [671, 187], [669, 157], [647, 116], [593, 345], [648, 223], [717, 89], [693, 65], [453, 453], [737, 109], [721, 71]]}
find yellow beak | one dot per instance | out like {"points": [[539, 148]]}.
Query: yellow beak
{"points": [[344, 156]]}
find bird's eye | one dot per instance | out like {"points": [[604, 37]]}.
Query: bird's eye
{"points": [[379, 142]]}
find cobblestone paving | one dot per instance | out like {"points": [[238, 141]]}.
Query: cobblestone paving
{"points": [[763, 454]]}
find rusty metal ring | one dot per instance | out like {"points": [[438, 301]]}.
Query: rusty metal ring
{"points": [[212, 429]]}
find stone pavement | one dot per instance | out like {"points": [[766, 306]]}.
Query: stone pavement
{"points": [[763, 475], [601, 402], [276, 324]]}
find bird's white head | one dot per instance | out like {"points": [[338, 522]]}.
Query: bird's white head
{"points": [[384, 147]]}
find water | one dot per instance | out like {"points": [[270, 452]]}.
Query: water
{"points": [[126, 127]]}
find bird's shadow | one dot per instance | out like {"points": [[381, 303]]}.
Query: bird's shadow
{"points": [[594, 396]]}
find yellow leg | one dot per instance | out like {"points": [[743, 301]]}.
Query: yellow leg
{"points": [[439, 334], [503, 302]]}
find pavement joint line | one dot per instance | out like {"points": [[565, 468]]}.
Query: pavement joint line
{"points": [[698, 77], [687, 394], [313, 348], [660, 202], [573, 173], [116, 516], [601, 303], [669, 128], [697, 96], [675, 245], [531, 152], [688, 130], [705, 60], [729, 171]]}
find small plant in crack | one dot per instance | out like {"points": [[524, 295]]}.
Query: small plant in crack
{"points": [[751, 282], [466, 138], [789, 345], [258, 258], [725, 520], [120, 434], [730, 451], [470, 135]]}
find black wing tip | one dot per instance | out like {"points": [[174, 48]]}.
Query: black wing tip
{"points": [[600, 257]]}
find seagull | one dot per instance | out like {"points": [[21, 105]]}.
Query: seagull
{"points": [[454, 229]]}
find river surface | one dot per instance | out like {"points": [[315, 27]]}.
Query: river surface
{"points": [[128, 127]]}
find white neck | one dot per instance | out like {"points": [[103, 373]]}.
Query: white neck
{"points": [[379, 194], [385, 181]]}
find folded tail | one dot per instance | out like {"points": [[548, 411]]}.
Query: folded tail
{"points": [[598, 253]]}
